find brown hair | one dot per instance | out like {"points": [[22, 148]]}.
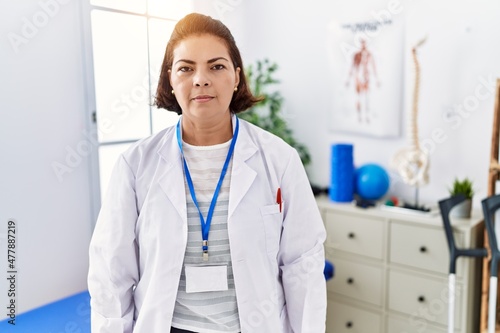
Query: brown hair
{"points": [[198, 24]]}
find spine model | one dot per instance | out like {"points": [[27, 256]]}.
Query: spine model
{"points": [[412, 163]]}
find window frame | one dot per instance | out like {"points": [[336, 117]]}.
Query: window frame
{"points": [[91, 103]]}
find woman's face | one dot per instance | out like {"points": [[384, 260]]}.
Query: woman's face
{"points": [[203, 77]]}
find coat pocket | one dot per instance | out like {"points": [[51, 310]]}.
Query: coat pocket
{"points": [[273, 221]]}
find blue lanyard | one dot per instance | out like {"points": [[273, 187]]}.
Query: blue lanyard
{"points": [[205, 225]]}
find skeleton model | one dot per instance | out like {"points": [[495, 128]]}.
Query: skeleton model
{"points": [[412, 163]]}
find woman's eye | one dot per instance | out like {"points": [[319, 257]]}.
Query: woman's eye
{"points": [[218, 67], [184, 69]]}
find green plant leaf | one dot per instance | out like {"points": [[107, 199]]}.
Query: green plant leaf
{"points": [[464, 187], [267, 114]]}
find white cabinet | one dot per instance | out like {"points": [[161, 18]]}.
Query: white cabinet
{"points": [[391, 271]]}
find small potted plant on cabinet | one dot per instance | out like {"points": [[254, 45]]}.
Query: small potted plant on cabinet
{"points": [[462, 187]]}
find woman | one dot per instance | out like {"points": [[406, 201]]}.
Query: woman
{"points": [[179, 245]]}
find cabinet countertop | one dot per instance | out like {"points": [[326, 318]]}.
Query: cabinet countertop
{"points": [[378, 211]]}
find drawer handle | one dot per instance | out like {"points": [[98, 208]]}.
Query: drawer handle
{"points": [[349, 324], [351, 235], [421, 299], [350, 280], [423, 249]]}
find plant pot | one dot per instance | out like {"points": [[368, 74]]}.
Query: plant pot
{"points": [[463, 209]]}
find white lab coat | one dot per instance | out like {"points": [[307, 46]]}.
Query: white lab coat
{"points": [[137, 249]]}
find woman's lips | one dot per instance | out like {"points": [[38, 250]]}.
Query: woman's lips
{"points": [[203, 98]]}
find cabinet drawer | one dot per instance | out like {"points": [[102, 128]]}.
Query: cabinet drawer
{"points": [[357, 235], [358, 281], [411, 326], [343, 318], [424, 300], [421, 247]]}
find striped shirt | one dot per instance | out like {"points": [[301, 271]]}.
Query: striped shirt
{"points": [[213, 311]]}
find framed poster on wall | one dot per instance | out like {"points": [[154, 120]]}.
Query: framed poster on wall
{"points": [[366, 64]]}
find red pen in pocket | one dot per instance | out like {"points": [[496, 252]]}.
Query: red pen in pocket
{"points": [[278, 198]]}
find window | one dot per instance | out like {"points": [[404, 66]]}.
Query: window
{"points": [[128, 40]]}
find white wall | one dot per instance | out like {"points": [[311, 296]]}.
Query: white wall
{"points": [[42, 118], [460, 51]]}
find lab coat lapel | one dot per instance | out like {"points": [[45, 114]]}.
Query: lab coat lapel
{"points": [[171, 179], [242, 175]]}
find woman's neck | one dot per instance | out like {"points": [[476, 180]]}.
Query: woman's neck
{"points": [[207, 133]]}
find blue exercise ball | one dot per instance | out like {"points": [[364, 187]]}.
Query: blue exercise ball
{"points": [[371, 181]]}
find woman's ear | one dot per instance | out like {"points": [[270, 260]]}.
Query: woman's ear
{"points": [[237, 76], [169, 71]]}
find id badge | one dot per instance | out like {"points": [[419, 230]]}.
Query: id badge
{"points": [[205, 278]]}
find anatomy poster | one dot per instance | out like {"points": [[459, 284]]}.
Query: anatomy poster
{"points": [[366, 64]]}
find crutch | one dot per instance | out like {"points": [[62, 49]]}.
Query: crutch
{"points": [[445, 207], [490, 207]]}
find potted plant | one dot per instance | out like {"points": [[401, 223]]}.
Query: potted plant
{"points": [[464, 187], [267, 114]]}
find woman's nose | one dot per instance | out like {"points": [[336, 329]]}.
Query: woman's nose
{"points": [[201, 79]]}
